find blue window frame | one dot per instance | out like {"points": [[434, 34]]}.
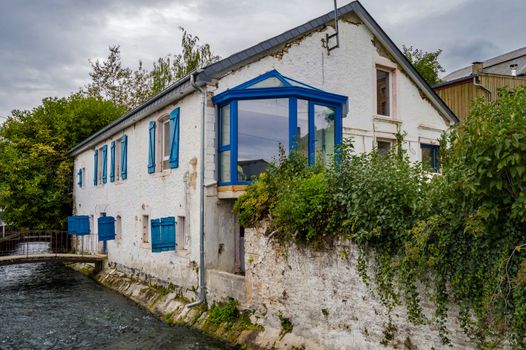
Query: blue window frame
{"points": [[323, 121], [430, 157]]}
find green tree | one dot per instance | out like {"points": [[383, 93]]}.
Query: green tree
{"points": [[35, 172], [426, 63], [125, 86]]}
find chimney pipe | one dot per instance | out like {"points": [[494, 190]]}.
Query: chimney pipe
{"points": [[476, 68], [513, 70]]}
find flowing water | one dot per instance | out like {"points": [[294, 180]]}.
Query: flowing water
{"points": [[47, 306]]}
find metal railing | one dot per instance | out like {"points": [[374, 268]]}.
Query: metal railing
{"points": [[47, 242]]}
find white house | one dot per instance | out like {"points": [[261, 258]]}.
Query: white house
{"points": [[169, 170]]}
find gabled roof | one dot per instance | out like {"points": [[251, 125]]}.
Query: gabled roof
{"points": [[218, 69], [509, 56]]}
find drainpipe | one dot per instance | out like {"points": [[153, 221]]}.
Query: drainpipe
{"points": [[202, 293], [476, 69]]}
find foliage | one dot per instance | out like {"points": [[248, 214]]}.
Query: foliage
{"points": [[460, 233], [35, 172], [124, 86], [426, 63], [227, 312]]}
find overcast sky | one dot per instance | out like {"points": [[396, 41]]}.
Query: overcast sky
{"points": [[45, 44]]}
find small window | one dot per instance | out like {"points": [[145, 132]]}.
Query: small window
{"points": [[117, 164], [430, 155], [99, 167], [383, 147], [383, 92], [145, 231], [165, 143], [118, 227], [181, 236]]}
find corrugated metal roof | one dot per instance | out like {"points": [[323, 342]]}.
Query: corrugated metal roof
{"points": [[251, 54]]}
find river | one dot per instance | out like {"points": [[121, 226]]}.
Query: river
{"points": [[48, 306]]}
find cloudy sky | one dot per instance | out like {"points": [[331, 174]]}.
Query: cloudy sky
{"points": [[45, 44]]}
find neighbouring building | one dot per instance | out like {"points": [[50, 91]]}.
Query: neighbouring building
{"points": [[163, 178], [460, 88]]}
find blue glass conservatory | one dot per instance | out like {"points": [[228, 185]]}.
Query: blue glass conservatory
{"points": [[271, 111]]}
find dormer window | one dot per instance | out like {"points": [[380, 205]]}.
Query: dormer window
{"points": [[272, 111]]}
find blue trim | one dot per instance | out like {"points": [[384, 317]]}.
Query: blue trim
{"points": [[124, 157], [151, 147], [314, 97], [233, 141], [173, 162], [79, 173], [104, 164], [280, 92], [271, 74], [112, 161], [95, 167], [312, 134], [293, 123]]}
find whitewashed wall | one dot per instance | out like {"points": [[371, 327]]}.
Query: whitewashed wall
{"points": [[348, 70], [173, 192]]}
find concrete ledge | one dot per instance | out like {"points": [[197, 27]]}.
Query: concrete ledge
{"points": [[37, 258], [222, 285]]}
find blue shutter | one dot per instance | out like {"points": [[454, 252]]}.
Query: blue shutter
{"points": [[151, 149], [106, 225], [112, 161], [104, 164], [156, 234], [173, 162], [167, 234], [95, 167], [80, 177], [83, 225], [72, 225], [78, 225], [124, 155]]}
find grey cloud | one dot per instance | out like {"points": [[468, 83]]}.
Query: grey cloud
{"points": [[45, 45]]}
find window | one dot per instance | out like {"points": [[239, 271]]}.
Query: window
{"points": [[145, 225], [163, 234], [383, 92], [124, 157], [118, 227], [272, 111], [115, 160], [262, 129], [384, 147], [163, 148], [324, 127], [80, 175], [99, 167], [181, 237], [165, 143], [430, 155]]}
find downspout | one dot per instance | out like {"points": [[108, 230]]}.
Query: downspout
{"points": [[475, 83], [202, 293]]}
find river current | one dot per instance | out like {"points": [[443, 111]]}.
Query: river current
{"points": [[48, 306]]}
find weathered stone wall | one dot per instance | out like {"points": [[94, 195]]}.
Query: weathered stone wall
{"points": [[326, 302]]}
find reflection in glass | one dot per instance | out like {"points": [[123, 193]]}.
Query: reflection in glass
{"points": [[225, 125], [324, 126], [263, 127], [303, 128], [270, 82], [225, 166], [382, 93]]}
